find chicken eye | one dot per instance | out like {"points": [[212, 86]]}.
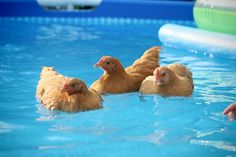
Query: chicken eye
{"points": [[73, 85], [108, 62], [163, 73]]}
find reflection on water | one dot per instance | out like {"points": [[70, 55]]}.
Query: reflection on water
{"points": [[12, 48], [154, 138], [217, 144], [64, 33], [7, 127], [45, 115], [57, 147], [204, 133]]}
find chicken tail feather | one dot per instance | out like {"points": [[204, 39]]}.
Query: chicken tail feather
{"points": [[146, 64]]}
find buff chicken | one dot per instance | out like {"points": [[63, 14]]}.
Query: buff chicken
{"points": [[57, 92], [116, 79], [171, 80]]}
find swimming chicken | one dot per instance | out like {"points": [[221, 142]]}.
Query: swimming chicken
{"points": [[57, 92], [171, 80], [116, 79]]}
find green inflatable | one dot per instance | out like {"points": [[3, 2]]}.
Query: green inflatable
{"points": [[216, 15]]}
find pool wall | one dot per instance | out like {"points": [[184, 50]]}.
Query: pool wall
{"points": [[176, 10]]}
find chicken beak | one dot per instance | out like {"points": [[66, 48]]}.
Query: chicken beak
{"points": [[97, 65], [100, 62], [63, 89]]}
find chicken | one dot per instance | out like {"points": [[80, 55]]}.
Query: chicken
{"points": [[230, 111], [57, 92], [171, 80], [48, 77], [116, 79]]}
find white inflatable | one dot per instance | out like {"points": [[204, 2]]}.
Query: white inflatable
{"points": [[223, 4], [197, 40]]}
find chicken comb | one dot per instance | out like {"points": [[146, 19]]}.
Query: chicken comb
{"points": [[156, 73], [102, 59]]}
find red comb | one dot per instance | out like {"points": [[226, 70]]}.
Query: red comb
{"points": [[103, 58], [156, 73]]}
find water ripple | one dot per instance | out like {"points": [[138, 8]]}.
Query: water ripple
{"points": [[61, 34], [12, 48], [56, 146], [202, 133], [154, 138], [217, 144], [7, 127]]}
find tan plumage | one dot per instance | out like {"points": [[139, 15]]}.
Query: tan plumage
{"points": [[116, 79], [180, 70], [66, 94], [171, 80]]}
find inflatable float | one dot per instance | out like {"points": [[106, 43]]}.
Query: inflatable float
{"points": [[216, 15], [197, 40]]}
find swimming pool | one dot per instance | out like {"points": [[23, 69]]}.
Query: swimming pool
{"points": [[129, 124]]}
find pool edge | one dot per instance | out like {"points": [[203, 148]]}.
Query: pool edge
{"points": [[150, 9]]}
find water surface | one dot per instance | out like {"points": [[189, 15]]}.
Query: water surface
{"points": [[129, 124]]}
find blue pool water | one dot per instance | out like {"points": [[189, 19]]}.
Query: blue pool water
{"points": [[129, 125]]}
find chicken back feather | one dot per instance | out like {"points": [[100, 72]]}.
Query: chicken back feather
{"points": [[57, 92], [116, 79]]}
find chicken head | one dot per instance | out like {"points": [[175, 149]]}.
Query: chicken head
{"points": [[108, 64], [72, 86], [161, 75]]}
